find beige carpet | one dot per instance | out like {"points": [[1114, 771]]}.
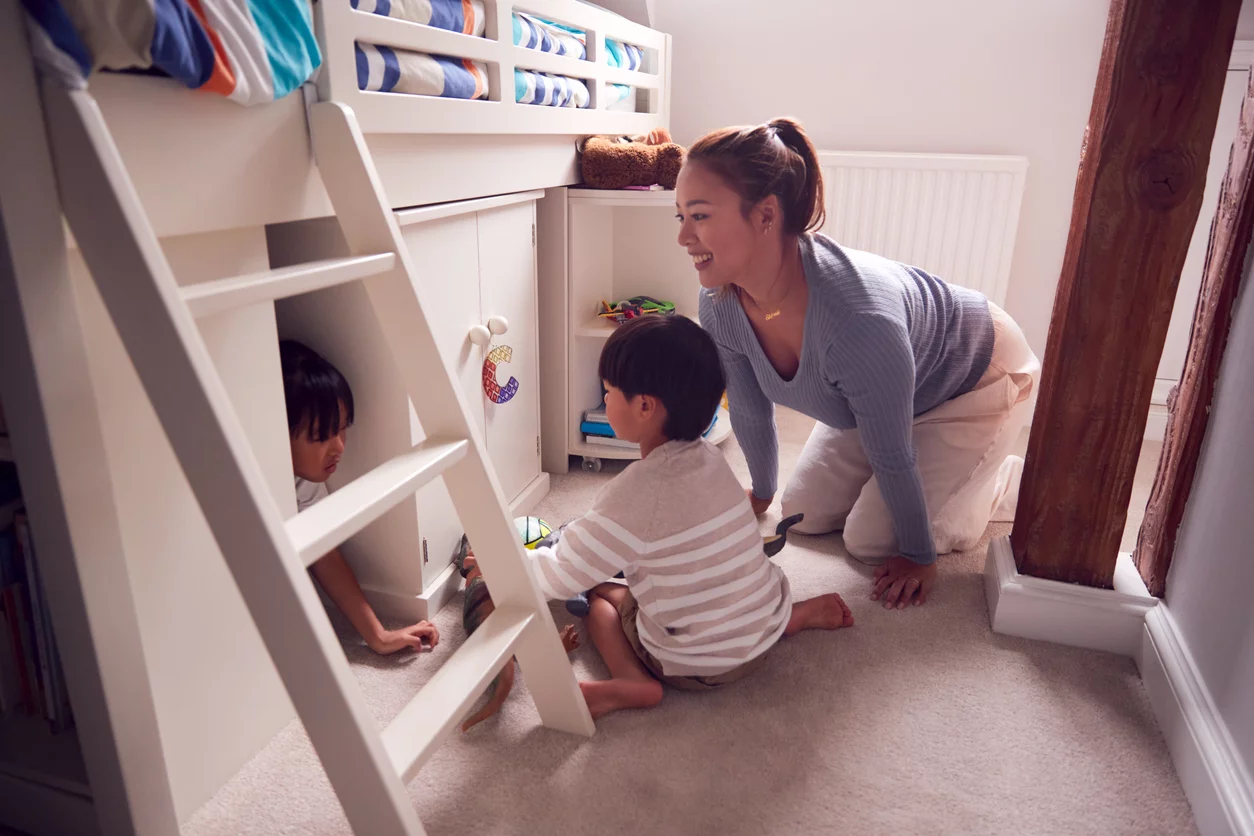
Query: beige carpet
{"points": [[914, 722]]}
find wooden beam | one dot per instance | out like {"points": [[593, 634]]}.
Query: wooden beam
{"points": [[1230, 236], [1139, 190]]}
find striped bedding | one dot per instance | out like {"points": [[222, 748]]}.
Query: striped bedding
{"points": [[251, 51], [465, 16], [387, 70]]}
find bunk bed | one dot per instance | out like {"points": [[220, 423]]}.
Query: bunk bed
{"points": [[252, 165], [208, 103]]}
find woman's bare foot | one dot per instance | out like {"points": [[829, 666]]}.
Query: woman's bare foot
{"points": [[615, 694], [826, 612]]}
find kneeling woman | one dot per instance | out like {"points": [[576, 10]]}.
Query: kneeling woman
{"points": [[920, 388]]}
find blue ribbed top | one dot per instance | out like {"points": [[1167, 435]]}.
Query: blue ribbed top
{"points": [[882, 343]]}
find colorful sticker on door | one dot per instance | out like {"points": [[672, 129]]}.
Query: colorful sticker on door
{"points": [[495, 391]]}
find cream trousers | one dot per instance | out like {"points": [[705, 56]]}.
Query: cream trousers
{"points": [[963, 452]]}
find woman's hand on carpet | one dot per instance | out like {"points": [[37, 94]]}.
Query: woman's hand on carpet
{"points": [[900, 581], [759, 505]]}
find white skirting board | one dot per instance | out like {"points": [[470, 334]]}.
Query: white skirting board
{"points": [[527, 501], [1079, 616], [1128, 621], [420, 607], [1215, 778], [424, 606], [1156, 423]]}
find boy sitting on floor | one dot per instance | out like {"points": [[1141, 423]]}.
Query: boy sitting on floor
{"points": [[319, 413], [702, 604]]}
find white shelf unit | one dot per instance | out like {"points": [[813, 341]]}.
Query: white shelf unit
{"points": [[617, 244]]}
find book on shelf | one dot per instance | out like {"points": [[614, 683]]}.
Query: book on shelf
{"points": [[32, 680], [610, 441], [596, 429], [55, 698], [10, 684], [593, 428]]}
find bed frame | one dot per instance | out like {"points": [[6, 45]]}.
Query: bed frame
{"points": [[340, 26], [428, 150], [212, 176]]}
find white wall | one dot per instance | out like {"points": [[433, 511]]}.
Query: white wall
{"points": [[217, 696], [1245, 23], [965, 76], [1212, 573]]}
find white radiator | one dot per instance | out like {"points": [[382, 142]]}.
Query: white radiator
{"points": [[954, 216]]}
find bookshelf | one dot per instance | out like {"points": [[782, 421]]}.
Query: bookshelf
{"points": [[38, 760], [618, 244]]}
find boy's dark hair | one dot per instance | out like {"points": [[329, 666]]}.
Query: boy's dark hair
{"points": [[314, 390], [675, 361]]}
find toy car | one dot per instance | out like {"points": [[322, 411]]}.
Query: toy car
{"points": [[636, 306]]}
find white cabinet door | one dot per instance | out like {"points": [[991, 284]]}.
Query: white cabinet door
{"points": [[446, 258], [507, 282]]}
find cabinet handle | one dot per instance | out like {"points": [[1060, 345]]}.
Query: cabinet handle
{"points": [[498, 325], [480, 335]]}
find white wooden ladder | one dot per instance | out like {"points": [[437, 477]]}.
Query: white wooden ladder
{"points": [[268, 557]]}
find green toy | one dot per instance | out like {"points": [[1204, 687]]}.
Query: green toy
{"points": [[635, 307]]}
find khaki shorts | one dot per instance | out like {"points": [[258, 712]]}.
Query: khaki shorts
{"points": [[965, 459], [628, 611]]}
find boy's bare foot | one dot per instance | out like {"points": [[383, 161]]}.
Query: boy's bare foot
{"points": [[616, 694], [570, 638], [826, 612]]}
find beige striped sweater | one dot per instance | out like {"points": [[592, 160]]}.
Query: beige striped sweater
{"points": [[678, 525]]}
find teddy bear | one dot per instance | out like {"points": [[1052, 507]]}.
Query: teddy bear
{"points": [[615, 162]]}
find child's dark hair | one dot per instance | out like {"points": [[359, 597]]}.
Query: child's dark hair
{"points": [[672, 359], [314, 390]]}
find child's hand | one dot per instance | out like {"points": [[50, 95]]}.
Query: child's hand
{"points": [[421, 636], [570, 638]]}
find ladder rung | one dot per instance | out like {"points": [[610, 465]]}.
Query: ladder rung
{"points": [[416, 732], [214, 297], [342, 514]]}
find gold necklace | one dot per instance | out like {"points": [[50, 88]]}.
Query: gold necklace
{"points": [[769, 315]]}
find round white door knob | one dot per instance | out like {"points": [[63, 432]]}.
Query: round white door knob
{"points": [[480, 335], [498, 325]]}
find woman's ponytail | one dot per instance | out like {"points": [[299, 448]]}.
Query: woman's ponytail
{"points": [[772, 159], [805, 206]]}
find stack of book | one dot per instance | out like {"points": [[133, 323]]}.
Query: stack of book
{"points": [[31, 678], [596, 429]]}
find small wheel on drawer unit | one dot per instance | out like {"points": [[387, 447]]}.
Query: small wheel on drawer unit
{"points": [[591, 464]]}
